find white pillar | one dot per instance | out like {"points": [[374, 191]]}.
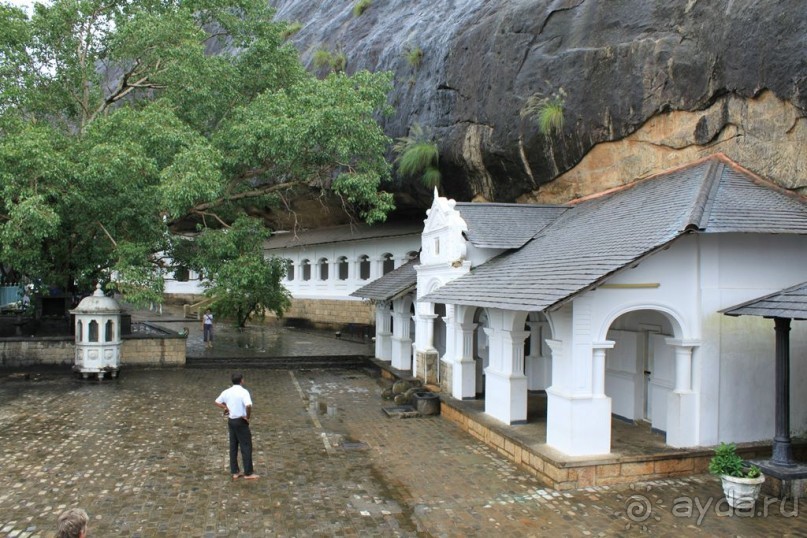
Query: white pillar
{"points": [[464, 371], [506, 384], [598, 367], [383, 334], [683, 424], [578, 412], [401, 343]]}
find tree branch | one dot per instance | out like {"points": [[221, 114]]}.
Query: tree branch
{"points": [[114, 243]]}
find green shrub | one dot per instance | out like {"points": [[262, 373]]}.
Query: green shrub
{"points": [[361, 6], [418, 154], [726, 461], [323, 58], [414, 56], [339, 62], [546, 111]]}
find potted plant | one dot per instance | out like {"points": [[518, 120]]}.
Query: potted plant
{"points": [[741, 482]]}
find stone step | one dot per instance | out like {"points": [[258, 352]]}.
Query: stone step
{"points": [[285, 363]]}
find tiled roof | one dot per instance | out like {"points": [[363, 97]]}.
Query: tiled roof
{"points": [[788, 303], [391, 285], [338, 234], [603, 234], [506, 225]]}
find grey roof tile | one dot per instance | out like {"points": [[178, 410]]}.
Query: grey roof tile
{"points": [[338, 234], [606, 233], [506, 226], [788, 303], [391, 285]]}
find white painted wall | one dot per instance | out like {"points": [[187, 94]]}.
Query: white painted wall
{"points": [[335, 288], [732, 362]]}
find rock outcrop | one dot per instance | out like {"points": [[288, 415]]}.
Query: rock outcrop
{"points": [[648, 85]]}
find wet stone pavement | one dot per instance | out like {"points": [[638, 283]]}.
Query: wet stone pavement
{"points": [[146, 455]]}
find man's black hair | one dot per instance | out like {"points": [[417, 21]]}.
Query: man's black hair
{"points": [[237, 378]]}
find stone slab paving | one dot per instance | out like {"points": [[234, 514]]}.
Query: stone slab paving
{"points": [[146, 455]]}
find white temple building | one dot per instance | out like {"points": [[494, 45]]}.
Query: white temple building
{"points": [[611, 305]]}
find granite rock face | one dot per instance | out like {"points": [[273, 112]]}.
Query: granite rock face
{"points": [[648, 85]]}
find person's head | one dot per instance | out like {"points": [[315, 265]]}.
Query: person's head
{"points": [[72, 523], [208, 311], [237, 378]]}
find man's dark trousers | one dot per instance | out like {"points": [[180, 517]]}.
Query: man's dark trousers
{"points": [[240, 436]]}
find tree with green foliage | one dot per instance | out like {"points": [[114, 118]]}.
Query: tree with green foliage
{"points": [[122, 121], [240, 280], [418, 155]]}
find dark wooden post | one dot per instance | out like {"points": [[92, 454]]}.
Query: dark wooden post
{"points": [[782, 452]]}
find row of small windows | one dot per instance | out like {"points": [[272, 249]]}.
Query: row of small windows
{"points": [[342, 264], [92, 331]]}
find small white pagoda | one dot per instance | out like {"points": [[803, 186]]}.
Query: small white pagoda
{"points": [[98, 336]]}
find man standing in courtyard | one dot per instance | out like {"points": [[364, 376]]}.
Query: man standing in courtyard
{"points": [[207, 328], [237, 406]]}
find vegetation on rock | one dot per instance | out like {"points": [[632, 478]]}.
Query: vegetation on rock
{"points": [[418, 155], [361, 6], [547, 112]]}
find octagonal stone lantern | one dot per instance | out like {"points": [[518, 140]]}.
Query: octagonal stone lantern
{"points": [[98, 336]]}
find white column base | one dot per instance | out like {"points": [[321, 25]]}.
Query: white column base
{"points": [[463, 379], [506, 397], [383, 346], [401, 353], [682, 419], [578, 426]]}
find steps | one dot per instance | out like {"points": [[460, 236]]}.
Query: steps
{"points": [[281, 363]]}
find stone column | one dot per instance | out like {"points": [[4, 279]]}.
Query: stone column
{"points": [[506, 384], [383, 334], [682, 402], [782, 454]]}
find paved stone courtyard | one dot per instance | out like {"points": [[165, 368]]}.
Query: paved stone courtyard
{"points": [[146, 455]]}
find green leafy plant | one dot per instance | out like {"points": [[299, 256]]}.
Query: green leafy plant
{"points": [[418, 154], [414, 56], [726, 461], [547, 112], [361, 6]]}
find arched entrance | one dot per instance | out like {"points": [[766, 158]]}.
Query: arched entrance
{"points": [[640, 368]]}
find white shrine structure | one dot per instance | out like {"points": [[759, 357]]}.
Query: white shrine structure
{"points": [[98, 336], [611, 305]]}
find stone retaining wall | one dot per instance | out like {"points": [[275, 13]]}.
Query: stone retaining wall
{"points": [[137, 350], [331, 313], [601, 472], [153, 351]]}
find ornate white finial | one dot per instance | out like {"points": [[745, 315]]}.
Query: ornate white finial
{"points": [[436, 194], [98, 292]]}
